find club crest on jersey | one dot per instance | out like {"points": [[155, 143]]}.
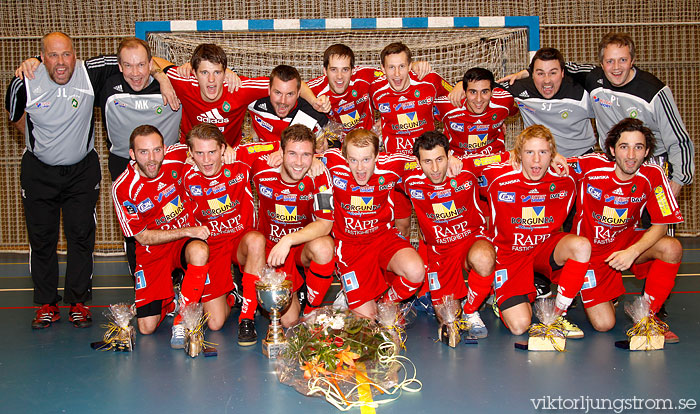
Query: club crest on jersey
{"points": [[594, 192], [340, 183], [145, 205], [140, 280], [417, 194], [433, 282], [226, 106], [266, 191], [349, 281], [589, 280], [500, 278], [218, 206], [286, 213], [171, 209]]}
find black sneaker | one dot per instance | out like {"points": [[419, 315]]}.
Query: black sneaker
{"points": [[246, 333], [542, 285], [45, 316], [80, 315]]}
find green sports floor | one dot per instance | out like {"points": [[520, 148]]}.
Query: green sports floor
{"points": [[55, 371]]}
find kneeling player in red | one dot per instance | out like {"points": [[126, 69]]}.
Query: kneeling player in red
{"points": [[296, 217], [453, 227], [528, 207], [613, 192], [151, 207], [223, 201], [367, 244]]}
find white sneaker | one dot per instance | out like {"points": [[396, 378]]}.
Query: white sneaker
{"points": [[477, 328], [177, 340]]}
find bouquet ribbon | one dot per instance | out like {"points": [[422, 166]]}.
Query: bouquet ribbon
{"points": [[548, 331], [648, 326]]}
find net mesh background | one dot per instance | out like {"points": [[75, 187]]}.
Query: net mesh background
{"points": [[666, 33]]}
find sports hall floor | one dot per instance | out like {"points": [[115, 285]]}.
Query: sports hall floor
{"points": [[55, 370]]}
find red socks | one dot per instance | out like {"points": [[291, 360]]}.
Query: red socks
{"points": [[570, 282], [250, 299], [402, 288], [318, 281], [660, 281], [479, 289]]}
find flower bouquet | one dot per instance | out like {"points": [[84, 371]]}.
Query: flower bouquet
{"points": [[351, 361]]}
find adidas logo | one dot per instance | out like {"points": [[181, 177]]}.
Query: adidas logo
{"points": [[534, 191], [342, 101], [119, 88], [478, 121], [618, 191], [263, 106], [37, 90], [214, 182], [212, 117], [600, 81], [160, 186], [285, 191], [402, 99], [524, 94]]}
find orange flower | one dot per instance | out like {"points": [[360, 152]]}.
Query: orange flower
{"points": [[313, 369], [347, 357]]}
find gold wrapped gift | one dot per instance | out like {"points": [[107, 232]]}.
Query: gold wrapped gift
{"points": [[647, 334], [546, 338]]}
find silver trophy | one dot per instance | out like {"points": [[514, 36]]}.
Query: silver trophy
{"points": [[275, 299]]}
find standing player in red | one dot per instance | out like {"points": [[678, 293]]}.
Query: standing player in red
{"points": [[206, 98], [366, 242], [152, 208], [613, 191], [528, 206], [347, 87], [405, 105], [476, 127], [224, 203], [453, 227], [295, 215], [286, 106]]}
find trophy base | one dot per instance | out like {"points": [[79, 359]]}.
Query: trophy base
{"points": [[273, 350]]}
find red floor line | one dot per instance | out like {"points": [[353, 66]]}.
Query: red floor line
{"points": [[36, 307]]}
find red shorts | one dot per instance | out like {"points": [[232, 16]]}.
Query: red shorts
{"points": [[290, 265], [515, 270], [153, 275], [361, 265], [402, 204], [445, 268], [603, 283], [222, 253]]}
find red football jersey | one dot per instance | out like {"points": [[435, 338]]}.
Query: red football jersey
{"points": [[525, 213], [153, 204], [361, 211], [224, 202], [447, 212], [406, 115], [227, 113], [288, 207], [268, 126], [353, 108], [476, 134], [608, 209]]}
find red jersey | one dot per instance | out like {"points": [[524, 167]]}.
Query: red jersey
{"points": [[224, 202], [608, 209], [288, 207], [525, 213], [361, 212], [476, 134], [227, 113], [406, 115], [352, 108], [153, 204], [447, 212]]}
